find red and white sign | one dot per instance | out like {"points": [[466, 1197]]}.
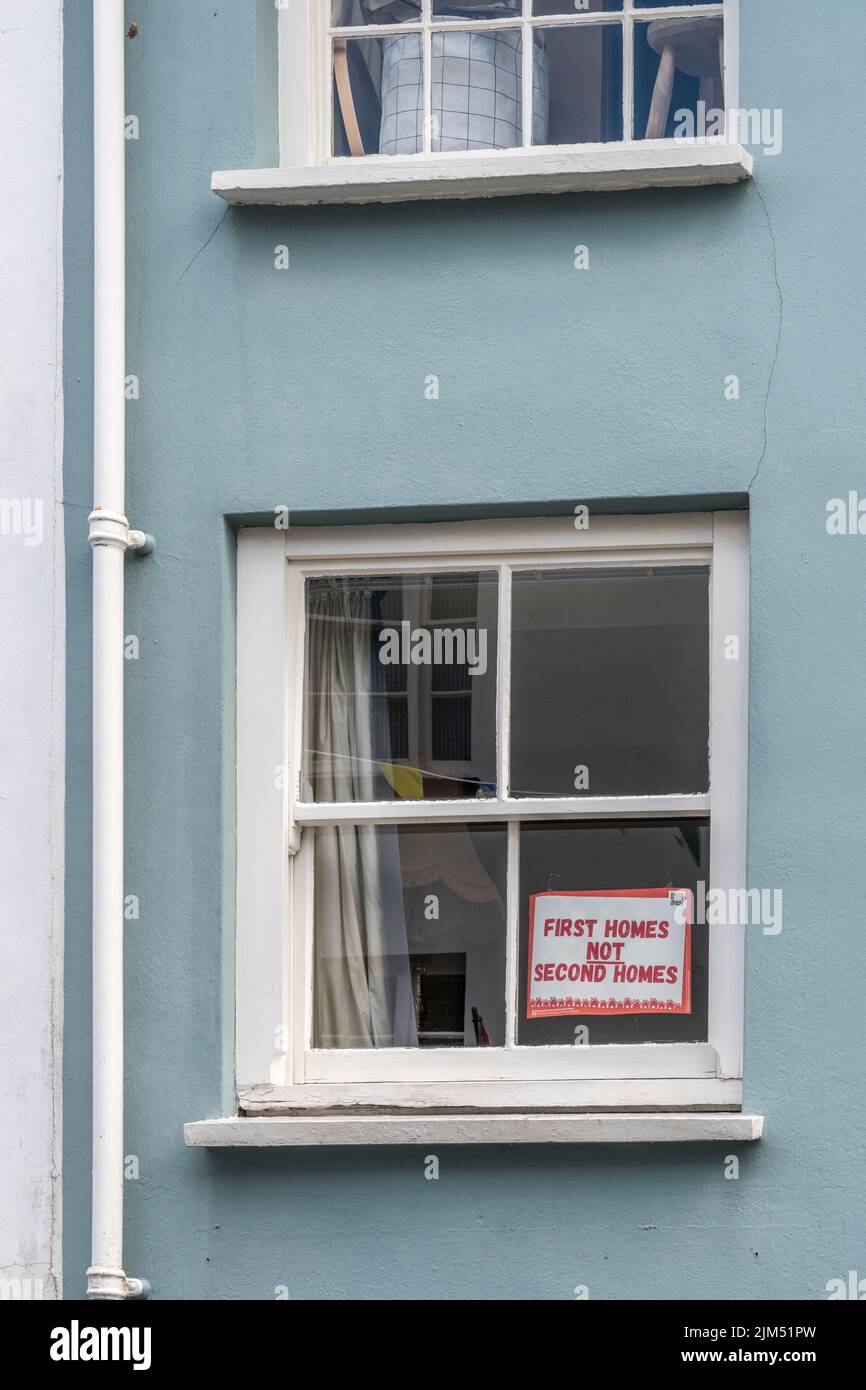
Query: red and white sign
{"points": [[610, 953]]}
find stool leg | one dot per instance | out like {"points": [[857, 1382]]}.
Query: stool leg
{"points": [[662, 94], [707, 93]]}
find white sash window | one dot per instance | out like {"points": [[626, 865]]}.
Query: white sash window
{"points": [[436, 725], [382, 100]]}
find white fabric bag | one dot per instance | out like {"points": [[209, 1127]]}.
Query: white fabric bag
{"points": [[476, 92]]}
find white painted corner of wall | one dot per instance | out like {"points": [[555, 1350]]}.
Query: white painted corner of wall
{"points": [[32, 639]]}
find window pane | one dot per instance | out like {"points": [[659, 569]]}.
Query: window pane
{"points": [[581, 66], [610, 858], [476, 9], [476, 92], [400, 687], [357, 12], [345, 12], [564, 7], [409, 936], [677, 63], [378, 95], [477, 103], [610, 683], [341, 11]]}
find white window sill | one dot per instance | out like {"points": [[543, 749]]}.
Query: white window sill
{"points": [[314, 1130], [390, 179]]}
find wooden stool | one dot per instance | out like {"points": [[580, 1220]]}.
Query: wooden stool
{"points": [[695, 46]]}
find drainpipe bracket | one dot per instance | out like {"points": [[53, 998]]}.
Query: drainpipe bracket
{"points": [[112, 1285], [140, 542], [112, 528]]}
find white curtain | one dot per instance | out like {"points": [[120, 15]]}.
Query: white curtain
{"points": [[363, 988]]}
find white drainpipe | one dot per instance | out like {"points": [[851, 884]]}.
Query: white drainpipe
{"points": [[110, 538]]}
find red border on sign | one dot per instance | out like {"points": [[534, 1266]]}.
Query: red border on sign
{"points": [[639, 1006]]}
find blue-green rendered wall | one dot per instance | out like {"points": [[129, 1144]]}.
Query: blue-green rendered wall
{"points": [[305, 388]]}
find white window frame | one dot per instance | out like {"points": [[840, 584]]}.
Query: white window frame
{"points": [[305, 84], [306, 95], [274, 1068], [309, 174]]}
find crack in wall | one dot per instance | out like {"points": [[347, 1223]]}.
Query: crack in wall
{"points": [[779, 332], [203, 247]]}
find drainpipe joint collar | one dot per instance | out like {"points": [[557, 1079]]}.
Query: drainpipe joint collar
{"points": [[112, 1285]]}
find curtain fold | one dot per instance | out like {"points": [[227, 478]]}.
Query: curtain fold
{"points": [[362, 986]]}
